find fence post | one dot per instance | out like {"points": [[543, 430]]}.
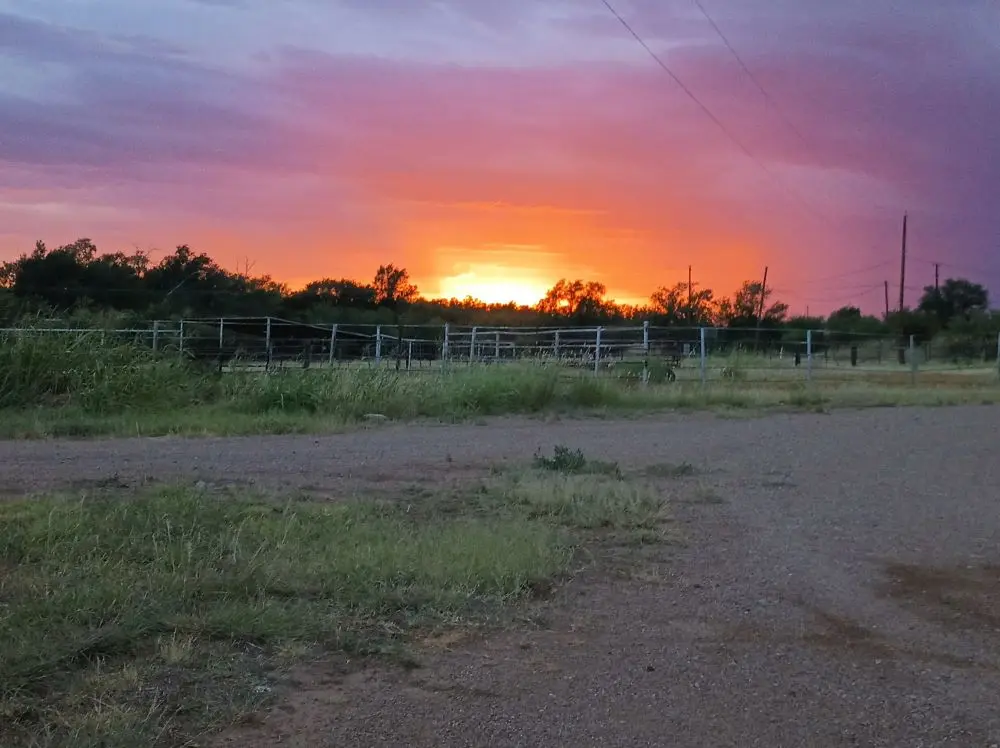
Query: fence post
{"points": [[378, 345], [703, 356], [913, 359], [409, 354], [472, 345], [496, 354], [809, 355], [156, 335], [998, 355], [645, 352], [555, 348], [444, 344], [597, 352], [222, 323], [267, 345], [180, 338], [333, 342]]}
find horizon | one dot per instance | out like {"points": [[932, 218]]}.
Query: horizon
{"points": [[494, 150]]}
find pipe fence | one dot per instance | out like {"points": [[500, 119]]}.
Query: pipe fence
{"points": [[641, 351]]}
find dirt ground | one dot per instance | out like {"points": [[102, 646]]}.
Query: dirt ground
{"points": [[844, 590]]}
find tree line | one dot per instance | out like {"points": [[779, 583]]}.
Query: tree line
{"points": [[77, 283]]}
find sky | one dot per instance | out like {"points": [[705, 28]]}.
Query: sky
{"points": [[492, 148]]}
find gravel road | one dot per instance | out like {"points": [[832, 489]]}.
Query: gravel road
{"points": [[846, 592]]}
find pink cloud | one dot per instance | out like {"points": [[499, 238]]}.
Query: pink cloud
{"points": [[330, 165]]}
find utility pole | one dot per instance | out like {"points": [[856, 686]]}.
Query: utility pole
{"points": [[937, 275], [690, 310], [760, 313], [763, 295], [887, 299], [902, 267]]}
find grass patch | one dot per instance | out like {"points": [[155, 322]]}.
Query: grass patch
{"points": [[141, 620], [581, 501], [85, 385], [573, 462], [153, 617]]}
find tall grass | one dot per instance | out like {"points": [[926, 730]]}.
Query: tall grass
{"points": [[81, 385], [93, 374]]}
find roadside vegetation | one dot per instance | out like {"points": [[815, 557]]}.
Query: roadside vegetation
{"points": [[157, 616], [81, 385]]}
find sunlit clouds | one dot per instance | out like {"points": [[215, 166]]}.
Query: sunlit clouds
{"points": [[494, 148]]}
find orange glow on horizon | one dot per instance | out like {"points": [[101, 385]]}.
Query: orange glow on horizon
{"points": [[494, 284]]}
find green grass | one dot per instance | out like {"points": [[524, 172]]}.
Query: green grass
{"points": [[150, 617], [78, 386]]}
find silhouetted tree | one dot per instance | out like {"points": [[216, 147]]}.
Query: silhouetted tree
{"points": [[956, 297], [393, 288], [582, 302], [673, 306], [743, 308]]}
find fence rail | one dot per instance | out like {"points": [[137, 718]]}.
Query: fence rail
{"points": [[642, 351]]}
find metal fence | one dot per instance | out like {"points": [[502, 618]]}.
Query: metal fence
{"points": [[642, 351]]}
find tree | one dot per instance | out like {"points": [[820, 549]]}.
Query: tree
{"points": [[58, 277], [849, 320], [956, 297], [578, 300], [185, 282], [743, 309], [675, 306], [393, 288]]}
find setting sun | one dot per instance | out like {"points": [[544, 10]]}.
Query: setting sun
{"points": [[495, 284]]}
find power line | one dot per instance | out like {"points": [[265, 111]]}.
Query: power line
{"points": [[846, 274], [847, 296], [659, 61], [961, 267], [718, 122], [749, 73]]}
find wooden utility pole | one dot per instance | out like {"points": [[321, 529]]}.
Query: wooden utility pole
{"points": [[902, 267], [937, 275], [760, 312], [690, 310], [763, 295], [887, 299]]}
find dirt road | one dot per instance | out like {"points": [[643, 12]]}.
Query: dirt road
{"points": [[846, 592]]}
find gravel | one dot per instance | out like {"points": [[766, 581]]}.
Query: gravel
{"points": [[845, 592]]}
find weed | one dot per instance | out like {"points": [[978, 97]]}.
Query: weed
{"points": [[580, 501], [573, 462]]}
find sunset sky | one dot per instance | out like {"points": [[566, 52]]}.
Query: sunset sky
{"points": [[493, 147]]}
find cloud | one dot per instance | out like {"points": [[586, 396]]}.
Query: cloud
{"points": [[325, 163]]}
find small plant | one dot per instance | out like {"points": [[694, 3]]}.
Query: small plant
{"points": [[564, 460], [574, 462]]}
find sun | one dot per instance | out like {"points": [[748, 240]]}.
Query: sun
{"points": [[494, 284]]}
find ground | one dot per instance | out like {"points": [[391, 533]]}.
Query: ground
{"points": [[835, 581]]}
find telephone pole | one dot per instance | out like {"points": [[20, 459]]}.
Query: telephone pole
{"points": [[887, 299], [760, 312], [763, 295], [690, 310], [937, 275], [902, 267]]}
